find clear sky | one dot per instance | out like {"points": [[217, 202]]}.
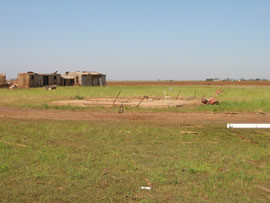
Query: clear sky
{"points": [[137, 39]]}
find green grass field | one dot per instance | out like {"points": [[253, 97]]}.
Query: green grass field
{"points": [[65, 161], [109, 161], [234, 98]]}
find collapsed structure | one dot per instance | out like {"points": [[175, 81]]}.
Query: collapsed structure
{"points": [[86, 78], [2, 78], [3, 81], [31, 79]]}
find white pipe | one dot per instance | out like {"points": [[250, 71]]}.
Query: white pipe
{"points": [[245, 125], [146, 188]]}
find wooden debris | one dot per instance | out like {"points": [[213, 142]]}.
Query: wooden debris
{"points": [[179, 105], [210, 142], [148, 182], [121, 109], [116, 97], [263, 188], [14, 144], [198, 126], [50, 87], [260, 112], [144, 97], [188, 132]]}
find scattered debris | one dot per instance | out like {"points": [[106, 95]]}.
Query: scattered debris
{"points": [[14, 86], [210, 142], [146, 188], [212, 100], [14, 144], [144, 97], [148, 182], [260, 112], [178, 94], [50, 87], [116, 97], [188, 132], [232, 113], [247, 125], [263, 188], [179, 105], [244, 139], [198, 126], [121, 109], [110, 102]]}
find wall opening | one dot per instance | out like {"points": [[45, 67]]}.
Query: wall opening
{"points": [[46, 80]]}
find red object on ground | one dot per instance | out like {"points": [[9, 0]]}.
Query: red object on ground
{"points": [[213, 101], [204, 101], [218, 92]]}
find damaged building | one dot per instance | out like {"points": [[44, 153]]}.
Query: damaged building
{"points": [[30, 79], [67, 80], [85, 78], [3, 78], [3, 81]]}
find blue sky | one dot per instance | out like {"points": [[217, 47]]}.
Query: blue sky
{"points": [[137, 39]]}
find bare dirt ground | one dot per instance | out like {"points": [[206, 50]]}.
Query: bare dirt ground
{"points": [[20, 113], [218, 83], [145, 103]]}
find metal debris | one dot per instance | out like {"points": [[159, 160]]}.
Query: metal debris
{"points": [[121, 109], [212, 100]]}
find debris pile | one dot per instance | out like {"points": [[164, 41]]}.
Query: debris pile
{"points": [[13, 84], [212, 100], [50, 87]]}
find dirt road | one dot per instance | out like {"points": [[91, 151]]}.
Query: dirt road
{"points": [[20, 113]]}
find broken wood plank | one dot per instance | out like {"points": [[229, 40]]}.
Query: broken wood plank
{"points": [[263, 188]]}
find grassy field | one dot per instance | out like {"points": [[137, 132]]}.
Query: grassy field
{"points": [[234, 98], [64, 161]]}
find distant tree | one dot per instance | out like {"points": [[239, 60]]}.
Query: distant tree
{"points": [[209, 79]]}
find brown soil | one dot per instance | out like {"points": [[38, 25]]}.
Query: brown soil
{"points": [[218, 83], [145, 103], [20, 113]]}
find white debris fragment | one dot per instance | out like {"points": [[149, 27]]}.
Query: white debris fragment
{"points": [[146, 188], [244, 125]]}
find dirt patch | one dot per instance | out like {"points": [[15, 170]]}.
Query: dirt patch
{"points": [[218, 83], [164, 117], [144, 103]]}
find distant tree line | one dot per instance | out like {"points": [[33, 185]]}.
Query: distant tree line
{"points": [[232, 79]]}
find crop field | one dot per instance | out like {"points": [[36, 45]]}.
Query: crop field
{"points": [[52, 153]]}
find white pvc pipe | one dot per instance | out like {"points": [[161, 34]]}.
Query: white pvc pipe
{"points": [[244, 125]]}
